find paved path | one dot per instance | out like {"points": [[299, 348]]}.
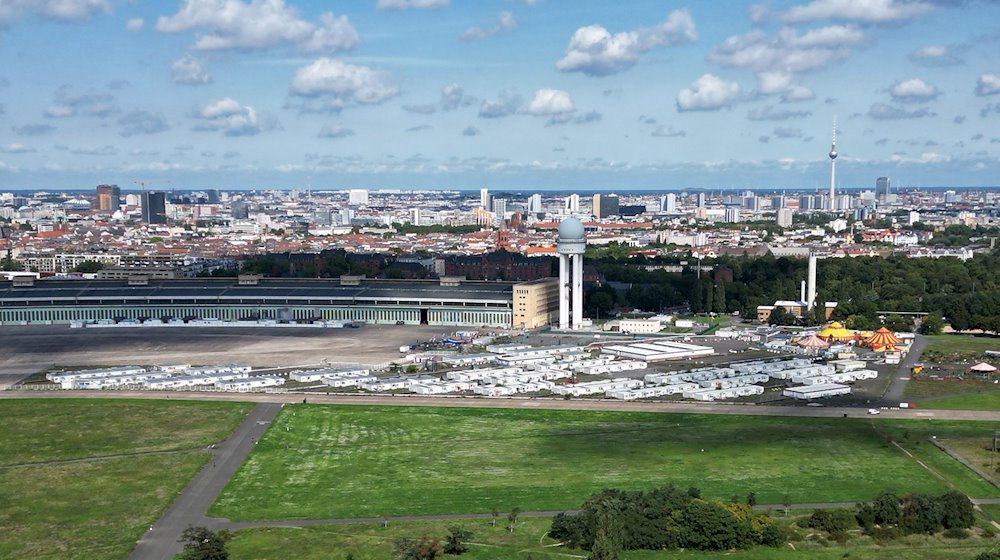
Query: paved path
{"points": [[523, 402], [895, 392], [190, 508]]}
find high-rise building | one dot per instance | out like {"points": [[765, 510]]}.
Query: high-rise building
{"points": [[668, 203], [108, 198], [882, 187], [415, 216], [484, 198], [785, 217], [605, 205], [535, 203], [701, 200], [154, 207], [357, 197], [500, 208], [573, 203], [732, 214]]}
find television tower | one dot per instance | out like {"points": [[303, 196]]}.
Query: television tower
{"points": [[833, 165]]}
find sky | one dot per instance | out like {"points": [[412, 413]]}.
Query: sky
{"points": [[507, 94]]}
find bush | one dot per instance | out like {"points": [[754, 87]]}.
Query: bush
{"points": [[835, 522], [956, 511], [956, 533], [990, 555], [884, 534]]}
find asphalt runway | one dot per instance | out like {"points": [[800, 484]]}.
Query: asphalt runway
{"points": [[29, 349]]}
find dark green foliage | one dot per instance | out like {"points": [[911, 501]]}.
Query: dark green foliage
{"points": [[664, 518], [887, 517], [88, 267], [988, 555], [922, 513], [932, 324], [454, 543], [956, 533], [202, 544], [883, 511], [835, 522], [407, 548], [956, 511]]}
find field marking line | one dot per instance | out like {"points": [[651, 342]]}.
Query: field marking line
{"points": [[105, 457]]}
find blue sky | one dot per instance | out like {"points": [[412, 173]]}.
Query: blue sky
{"points": [[530, 94]]}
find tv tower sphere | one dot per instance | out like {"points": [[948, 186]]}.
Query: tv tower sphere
{"points": [[833, 154]]}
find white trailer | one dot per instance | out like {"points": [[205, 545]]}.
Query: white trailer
{"points": [[245, 384], [347, 380], [807, 392]]}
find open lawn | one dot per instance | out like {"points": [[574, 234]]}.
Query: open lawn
{"points": [[372, 542], [36, 430], [88, 510], [962, 343], [981, 401], [56, 506], [928, 391], [320, 462]]}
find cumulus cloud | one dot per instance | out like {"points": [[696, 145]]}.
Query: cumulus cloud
{"points": [[865, 11], [340, 84], [550, 102], [187, 71], [507, 104], [884, 111], [135, 24], [766, 113], [421, 109], [453, 97], [988, 84], [777, 59], [787, 132], [708, 93], [505, 22], [32, 129], [67, 104], [913, 91], [259, 24], [594, 51], [664, 131], [936, 55], [141, 122], [228, 116], [334, 131], [59, 10], [393, 5], [470, 131]]}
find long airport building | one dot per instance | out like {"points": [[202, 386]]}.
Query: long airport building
{"points": [[450, 301]]}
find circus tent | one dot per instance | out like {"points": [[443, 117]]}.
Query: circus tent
{"points": [[882, 340], [836, 332], [812, 341]]}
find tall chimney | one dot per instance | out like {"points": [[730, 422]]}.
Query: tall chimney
{"points": [[812, 283], [802, 294]]}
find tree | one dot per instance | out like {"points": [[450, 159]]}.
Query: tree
{"points": [[933, 323], [956, 510], [201, 543], [608, 538], [752, 499], [88, 267], [423, 548], [512, 518], [454, 543]]}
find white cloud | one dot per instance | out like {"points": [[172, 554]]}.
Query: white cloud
{"points": [[937, 55], [866, 11], [228, 116], [260, 24], [596, 52], [988, 84], [106, 150], [766, 113], [453, 97], [187, 71], [505, 22], [392, 5], [913, 91], [884, 111], [61, 10], [135, 24], [507, 104], [67, 104], [550, 102], [142, 122], [333, 131], [343, 83], [708, 93]]}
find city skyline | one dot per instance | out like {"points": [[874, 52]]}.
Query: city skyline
{"points": [[513, 95]]}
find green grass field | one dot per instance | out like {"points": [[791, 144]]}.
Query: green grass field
{"points": [[981, 401], [36, 430], [921, 389], [952, 343], [373, 542], [322, 462], [96, 509]]}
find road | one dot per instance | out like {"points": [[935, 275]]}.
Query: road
{"points": [[895, 392], [161, 542], [540, 403]]}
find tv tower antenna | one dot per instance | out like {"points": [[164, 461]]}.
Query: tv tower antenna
{"points": [[833, 164]]}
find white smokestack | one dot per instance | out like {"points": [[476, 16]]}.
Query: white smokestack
{"points": [[812, 283], [802, 293]]}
